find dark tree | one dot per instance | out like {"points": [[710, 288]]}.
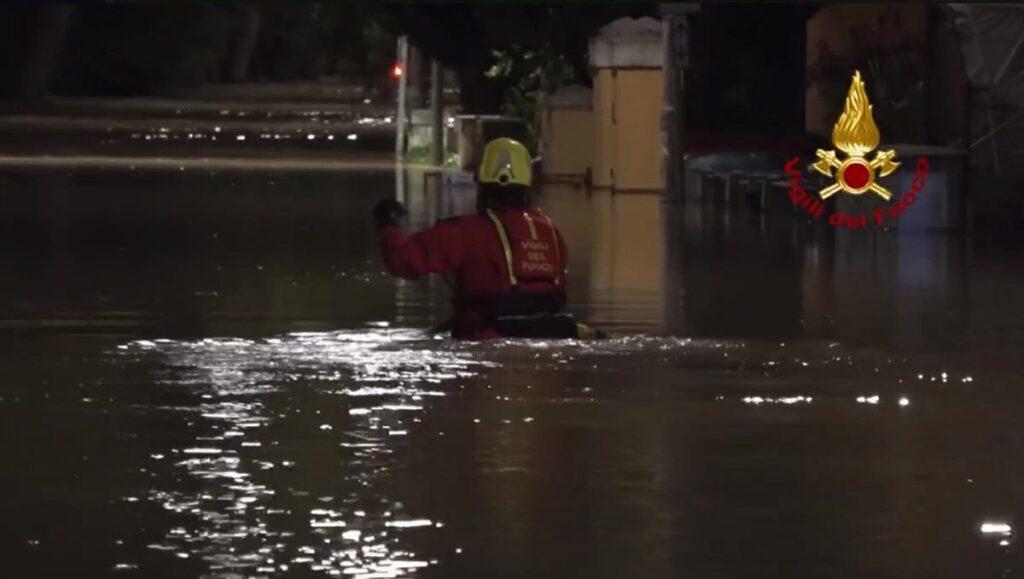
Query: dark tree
{"points": [[474, 39], [500, 53], [51, 30], [245, 44]]}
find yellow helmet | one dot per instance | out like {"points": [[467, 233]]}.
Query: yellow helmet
{"points": [[505, 162]]}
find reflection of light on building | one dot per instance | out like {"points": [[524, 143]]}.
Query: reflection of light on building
{"points": [[569, 208], [627, 262]]}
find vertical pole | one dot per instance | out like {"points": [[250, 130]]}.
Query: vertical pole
{"points": [[675, 19], [679, 47], [401, 114], [416, 82], [670, 126], [437, 112]]}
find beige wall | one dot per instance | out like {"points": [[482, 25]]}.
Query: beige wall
{"points": [[569, 137], [628, 106], [604, 96], [639, 102]]}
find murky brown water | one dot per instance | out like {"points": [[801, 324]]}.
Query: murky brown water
{"points": [[209, 375]]}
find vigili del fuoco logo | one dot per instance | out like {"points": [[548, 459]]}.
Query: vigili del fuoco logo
{"points": [[856, 135]]}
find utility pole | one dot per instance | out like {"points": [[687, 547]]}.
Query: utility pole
{"points": [[416, 79], [675, 21], [437, 111], [400, 115]]}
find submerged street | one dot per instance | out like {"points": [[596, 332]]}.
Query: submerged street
{"points": [[208, 373], [237, 240]]}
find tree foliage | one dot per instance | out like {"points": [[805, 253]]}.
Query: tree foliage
{"points": [[503, 54]]}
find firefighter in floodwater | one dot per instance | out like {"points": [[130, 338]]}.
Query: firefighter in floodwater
{"points": [[508, 259]]}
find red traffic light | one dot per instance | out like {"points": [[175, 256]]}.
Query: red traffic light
{"points": [[397, 69]]}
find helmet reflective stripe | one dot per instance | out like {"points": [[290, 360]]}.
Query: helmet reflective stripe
{"points": [[505, 162], [504, 172]]}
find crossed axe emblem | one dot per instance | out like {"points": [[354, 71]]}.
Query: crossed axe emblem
{"points": [[882, 163]]}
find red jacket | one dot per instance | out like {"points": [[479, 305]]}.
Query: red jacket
{"points": [[508, 262]]}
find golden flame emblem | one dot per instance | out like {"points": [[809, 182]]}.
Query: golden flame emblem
{"points": [[856, 134]]}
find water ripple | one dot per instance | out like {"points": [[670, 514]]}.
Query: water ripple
{"points": [[251, 395]]}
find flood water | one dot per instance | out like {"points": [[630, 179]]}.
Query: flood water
{"points": [[208, 374]]}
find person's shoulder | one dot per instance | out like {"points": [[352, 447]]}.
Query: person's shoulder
{"points": [[460, 220], [537, 213]]}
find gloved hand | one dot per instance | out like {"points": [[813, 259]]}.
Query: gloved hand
{"points": [[387, 213]]}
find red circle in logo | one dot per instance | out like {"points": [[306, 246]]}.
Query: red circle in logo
{"points": [[856, 175]]}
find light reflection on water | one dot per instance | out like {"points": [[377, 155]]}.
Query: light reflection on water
{"points": [[239, 513], [781, 448], [294, 440], [238, 523]]}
